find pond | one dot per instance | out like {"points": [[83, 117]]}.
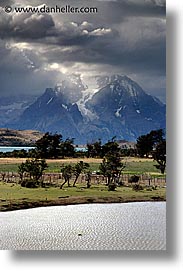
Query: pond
{"points": [[119, 226]]}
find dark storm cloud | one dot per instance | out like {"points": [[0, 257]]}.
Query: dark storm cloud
{"points": [[23, 26], [4, 3], [19, 74], [142, 51], [112, 12], [127, 36], [127, 8], [41, 27], [29, 26]]}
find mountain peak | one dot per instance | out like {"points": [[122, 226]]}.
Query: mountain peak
{"points": [[118, 108], [120, 85], [71, 87], [115, 78], [49, 91], [118, 77]]}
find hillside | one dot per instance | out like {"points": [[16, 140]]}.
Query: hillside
{"points": [[9, 137]]}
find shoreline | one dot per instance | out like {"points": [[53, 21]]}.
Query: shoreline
{"points": [[12, 206]]}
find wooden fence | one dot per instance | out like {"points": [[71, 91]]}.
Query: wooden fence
{"points": [[57, 179]]}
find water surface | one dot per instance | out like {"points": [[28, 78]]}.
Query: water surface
{"points": [[6, 149], [120, 226]]}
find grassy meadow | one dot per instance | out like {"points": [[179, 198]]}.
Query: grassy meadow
{"points": [[133, 165], [13, 196]]}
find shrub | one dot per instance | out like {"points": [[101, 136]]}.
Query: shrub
{"points": [[29, 183], [134, 179], [148, 188], [137, 187], [121, 183], [112, 187]]}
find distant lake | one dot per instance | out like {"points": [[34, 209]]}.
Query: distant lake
{"points": [[6, 149], [80, 149]]}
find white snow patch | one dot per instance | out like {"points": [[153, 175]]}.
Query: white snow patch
{"points": [[64, 106], [112, 87], [12, 106], [49, 101], [117, 113], [87, 95], [118, 89]]}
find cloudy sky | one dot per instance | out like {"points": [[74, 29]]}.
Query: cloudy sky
{"points": [[124, 36]]}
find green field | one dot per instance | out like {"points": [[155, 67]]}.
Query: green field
{"points": [[132, 167], [13, 196], [52, 167]]}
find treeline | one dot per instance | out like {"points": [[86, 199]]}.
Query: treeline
{"points": [[153, 145], [31, 171], [50, 146], [53, 146]]}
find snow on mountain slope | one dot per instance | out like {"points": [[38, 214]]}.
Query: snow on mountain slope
{"points": [[112, 106]]}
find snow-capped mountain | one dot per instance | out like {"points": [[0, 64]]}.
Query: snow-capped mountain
{"points": [[124, 110], [71, 88], [12, 107], [119, 107], [51, 112]]}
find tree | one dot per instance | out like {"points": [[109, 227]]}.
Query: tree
{"points": [[49, 146], [94, 149], [111, 167], [34, 168], [89, 150], [19, 153], [54, 145], [67, 174], [146, 143], [78, 169], [21, 170], [88, 179], [67, 148], [157, 136], [42, 145], [111, 147], [159, 155]]}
